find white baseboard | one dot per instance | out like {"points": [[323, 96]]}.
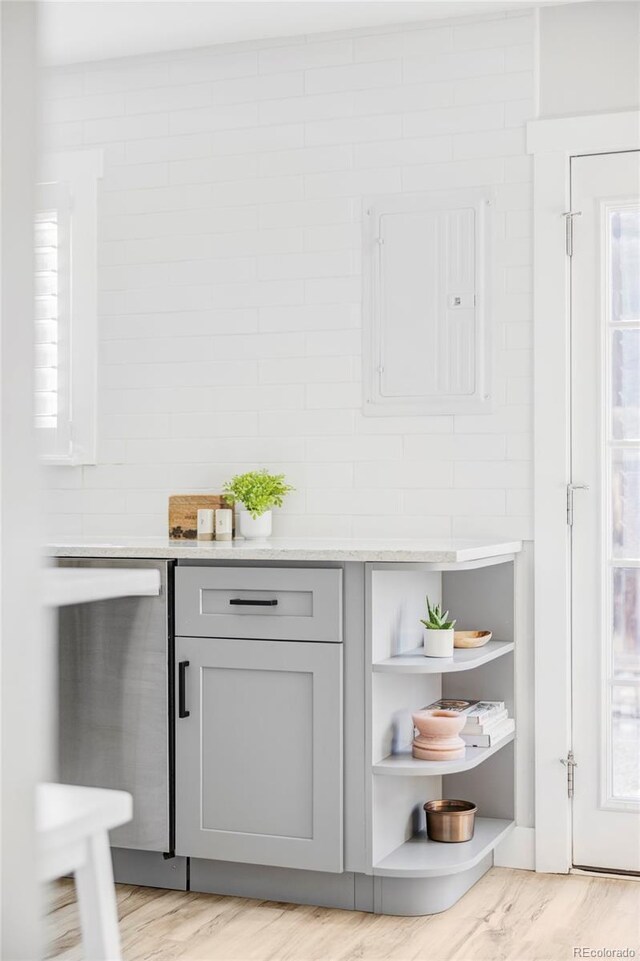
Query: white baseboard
{"points": [[518, 850]]}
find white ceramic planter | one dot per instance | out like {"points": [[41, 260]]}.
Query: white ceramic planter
{"points": [[438, 643], [254, 528]]}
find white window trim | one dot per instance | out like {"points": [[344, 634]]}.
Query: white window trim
{"points": [[553, 143], [80, 169]]}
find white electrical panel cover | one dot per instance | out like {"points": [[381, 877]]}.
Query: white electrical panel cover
{"points": [[426, 331]]}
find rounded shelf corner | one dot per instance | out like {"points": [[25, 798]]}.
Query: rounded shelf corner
{"points": [[464, 659], [405, 765]]}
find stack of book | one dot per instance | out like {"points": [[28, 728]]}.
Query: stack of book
{"points": [[487, 722]]}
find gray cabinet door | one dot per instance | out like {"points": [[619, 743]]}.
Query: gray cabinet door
{"points": [[259, 756]]}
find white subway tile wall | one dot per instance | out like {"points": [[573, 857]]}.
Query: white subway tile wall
{"points": [[230, 289]]}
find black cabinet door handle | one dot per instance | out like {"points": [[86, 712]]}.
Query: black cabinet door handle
{"points": [[241, 602], [182, 689]]}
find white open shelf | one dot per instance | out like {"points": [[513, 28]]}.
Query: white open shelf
{"points": [[421, 858], [404, 765], [464, 659]]}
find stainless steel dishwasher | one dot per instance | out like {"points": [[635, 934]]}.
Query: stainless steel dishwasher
{"points": [[116, 703]]}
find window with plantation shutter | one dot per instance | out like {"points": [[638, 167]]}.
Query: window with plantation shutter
{"points": [[65, 307]]}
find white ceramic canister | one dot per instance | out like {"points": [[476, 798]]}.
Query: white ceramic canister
{"points": [[206, 521], [224, 524]]}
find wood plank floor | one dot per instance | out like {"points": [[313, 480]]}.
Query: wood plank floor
{"points": [[508, 916]]}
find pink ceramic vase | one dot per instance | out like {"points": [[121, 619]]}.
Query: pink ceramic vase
{"points": [[438, 735]]}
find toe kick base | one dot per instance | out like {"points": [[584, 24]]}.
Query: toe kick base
{"points": [[413, 897], [404, 897]]}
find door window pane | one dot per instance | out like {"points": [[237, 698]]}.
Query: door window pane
{"points": [[625, 383], [626, 623], [623, 683], [624, 233], [625, 748], [625, 503]]}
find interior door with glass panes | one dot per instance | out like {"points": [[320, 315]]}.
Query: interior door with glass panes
{"points": [[605, 497]]}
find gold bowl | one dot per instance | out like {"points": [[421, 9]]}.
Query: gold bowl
{"points": [[450, 821], [471, 638]]}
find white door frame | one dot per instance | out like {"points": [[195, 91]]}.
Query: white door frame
{"points": [[553, 143]]}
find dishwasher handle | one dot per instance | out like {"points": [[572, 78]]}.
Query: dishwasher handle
{"points": [[246, 602], [182, 689]]}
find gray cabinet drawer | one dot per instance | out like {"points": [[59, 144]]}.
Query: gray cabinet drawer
{"points": [[270, 603]]}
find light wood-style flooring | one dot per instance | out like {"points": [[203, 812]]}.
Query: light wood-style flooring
{"points": [[508, 916]]}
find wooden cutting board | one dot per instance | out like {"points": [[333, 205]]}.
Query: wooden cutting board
{"points": [[183, 513]]}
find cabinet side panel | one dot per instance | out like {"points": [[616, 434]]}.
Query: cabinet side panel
{"points": [[398, 810], [490, 682], [354, 718], [481, 599], [491, 785], [398, 602]]}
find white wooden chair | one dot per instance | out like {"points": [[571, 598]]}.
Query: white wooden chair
{"points": [[72, 825]]}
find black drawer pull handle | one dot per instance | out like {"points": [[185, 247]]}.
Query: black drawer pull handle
{"points": [[182, 689], [241, 602]]}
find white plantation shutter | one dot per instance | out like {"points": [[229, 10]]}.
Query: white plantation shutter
{"points": [[52, 318], [46, 339], [65, 238]]}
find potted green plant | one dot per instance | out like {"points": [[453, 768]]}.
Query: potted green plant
{"points": [[254, 494], [438, 632]]}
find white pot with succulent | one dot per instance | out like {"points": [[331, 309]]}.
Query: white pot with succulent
{"points": [[438, 633], [254, 494]]}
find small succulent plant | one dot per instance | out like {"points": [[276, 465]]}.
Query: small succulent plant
{"points": [[436, 620]]}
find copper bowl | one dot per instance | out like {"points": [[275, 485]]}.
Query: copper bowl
{"points": [[450, 821]]}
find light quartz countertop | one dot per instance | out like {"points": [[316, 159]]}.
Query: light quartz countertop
{"points": [[440, 551]]}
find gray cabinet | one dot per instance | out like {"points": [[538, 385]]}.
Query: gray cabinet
{"points": [[259, 752]]}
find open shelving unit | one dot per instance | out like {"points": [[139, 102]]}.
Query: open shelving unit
{"points": [[413, 875]]}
